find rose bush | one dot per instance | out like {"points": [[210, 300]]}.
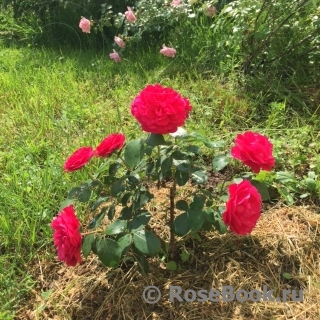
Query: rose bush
{"points": [[67, 237], [119, 189], [160, 110]]}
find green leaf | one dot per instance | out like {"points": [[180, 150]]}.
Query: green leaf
{"points": [[171, 265], [193, 149], [126, 213], [311, 185], [95, 222], [87, 244], [219, 162], [65, 203], [181, 177], [139, 221], [182, 205], [196, 219], [283, 177], [143, 266], [166, 165], [220, 226], [181, 224], [287, 275], [109, 252], [200, 177], [155, 140], [117, 186], [146, 242], [74, 193], [126, 198], [97, 204], [133, 152], [185, 256], [134, 178], [285, 193], [116, 227], [124, 243], [85, 195], [111, 212], [262, 189], [114, 167]]}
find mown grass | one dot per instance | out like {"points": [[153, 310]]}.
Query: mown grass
{"points": [[53, 102]]}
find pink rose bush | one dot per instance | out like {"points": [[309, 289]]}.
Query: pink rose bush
{"points": [[168, 52], [254, 150], [130, 16], [243, 208], [78, 159], [160, 110], [67, 237], [115, 56], [85, 25]]}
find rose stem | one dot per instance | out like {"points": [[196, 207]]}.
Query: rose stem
{"points": [[172, 244]]}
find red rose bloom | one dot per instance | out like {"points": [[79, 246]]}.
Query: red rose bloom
{"points": [[254, 150], [111, 143], [78, 159], [160, 110], [243, 208], [67, 237]]}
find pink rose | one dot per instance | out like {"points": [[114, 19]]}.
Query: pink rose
{"points": [[115, 56], [130, 15], [119, 42], [168, 52], [160, 110], [78, 159], [210, 11], [243, 208], [175, 3], [84, 25], [254, 150], [110, 144], [67, 237]]}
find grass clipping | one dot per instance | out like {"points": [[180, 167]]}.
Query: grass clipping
{"points": [[286, 240]]}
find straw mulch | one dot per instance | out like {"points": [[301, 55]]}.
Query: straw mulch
{"points": [[286, 240]]}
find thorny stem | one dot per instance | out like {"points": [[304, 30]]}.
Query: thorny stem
{"points": [[91, 232], [172, 244], [125, 164]]}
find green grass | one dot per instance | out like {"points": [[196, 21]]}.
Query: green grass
{"points": [[53, 102]]}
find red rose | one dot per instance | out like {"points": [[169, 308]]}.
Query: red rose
{"points": [[160, 110], [78, 159], [254, 150], [111, 143], [243, 208], [67, 237]]}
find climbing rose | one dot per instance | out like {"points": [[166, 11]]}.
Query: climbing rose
{"points": [[115, 56], [78, 159], [130, 15], [243, 208], [168, 52], [254, 150], [84, 25], [119, 42], [67, 237], [160, 110], [110, 144]]}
